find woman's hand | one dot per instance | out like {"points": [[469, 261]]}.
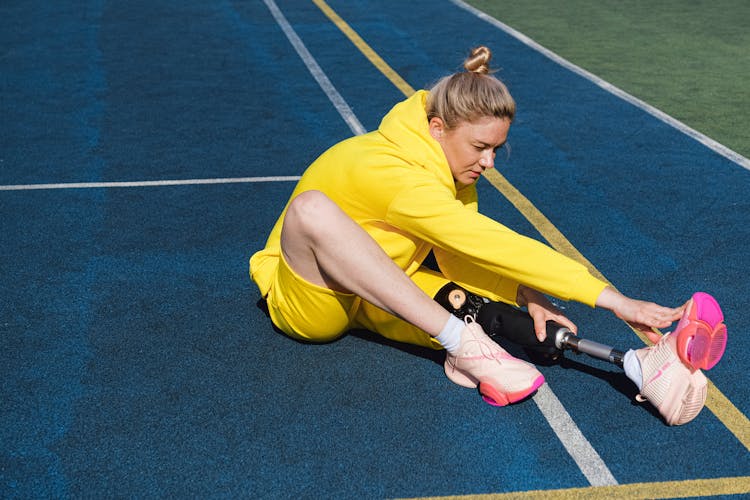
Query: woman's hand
{"points": [[541, 310], [642, 315]]}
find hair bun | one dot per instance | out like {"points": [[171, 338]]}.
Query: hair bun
{"points": [[478, 61]]}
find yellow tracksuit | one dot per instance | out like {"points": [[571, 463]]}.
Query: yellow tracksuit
{"points": [[395, 182]]}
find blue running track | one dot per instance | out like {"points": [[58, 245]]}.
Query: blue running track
{"points": [[135, 362]]}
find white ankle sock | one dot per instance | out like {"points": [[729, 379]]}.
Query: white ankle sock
{"points": [[450, 336], [632, 366]]}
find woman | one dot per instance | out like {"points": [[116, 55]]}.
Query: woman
{"points": [[348, 250]]}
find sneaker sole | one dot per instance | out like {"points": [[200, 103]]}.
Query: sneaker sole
{"points": [[702, 344], [493, 397]]}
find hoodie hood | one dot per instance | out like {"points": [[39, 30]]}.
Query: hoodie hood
{"points": [[407, 128]]}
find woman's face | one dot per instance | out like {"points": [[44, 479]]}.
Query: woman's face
{"points": [[470, 147]]}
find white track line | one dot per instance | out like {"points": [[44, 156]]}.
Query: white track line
{"points": [[180, 182], [591, 464], [312, 65], [703, 139], [585, 456], [315, 70]]}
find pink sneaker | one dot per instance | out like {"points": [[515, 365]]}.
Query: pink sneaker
{"points": [[502, 379], [678, 392], [672, 380]]}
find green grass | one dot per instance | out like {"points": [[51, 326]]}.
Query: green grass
{"points": [[690, 59]]}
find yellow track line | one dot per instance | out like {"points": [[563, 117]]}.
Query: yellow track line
{"points": [[370, 54], [729, 415], [542, 224], [668, 489]]}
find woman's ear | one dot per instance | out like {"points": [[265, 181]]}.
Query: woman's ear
{"points": [[437, 128]]}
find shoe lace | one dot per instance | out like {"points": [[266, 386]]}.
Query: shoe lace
{"points": [[487, 350]]}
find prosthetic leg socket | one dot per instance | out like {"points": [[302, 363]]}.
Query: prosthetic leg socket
{"points": [[499, 320]]}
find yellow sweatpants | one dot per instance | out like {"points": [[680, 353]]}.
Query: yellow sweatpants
{"points": [[309, 312]]}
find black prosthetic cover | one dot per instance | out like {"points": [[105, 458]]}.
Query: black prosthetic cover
{"points": [[506, 321], [498, 320], [459, 301]]}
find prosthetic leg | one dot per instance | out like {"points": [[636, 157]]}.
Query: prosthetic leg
{"points": [[565, 339], [503, 321]]}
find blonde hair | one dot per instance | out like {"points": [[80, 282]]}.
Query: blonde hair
{"points": [[472, 94]]}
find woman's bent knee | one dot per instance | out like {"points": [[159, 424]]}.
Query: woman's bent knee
{"points": [[309, 212], [309, 204]]}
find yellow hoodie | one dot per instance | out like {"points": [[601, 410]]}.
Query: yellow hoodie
{"points": [[395, 182]]}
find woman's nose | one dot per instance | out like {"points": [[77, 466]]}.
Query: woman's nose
{"points": [[487, 160]]}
